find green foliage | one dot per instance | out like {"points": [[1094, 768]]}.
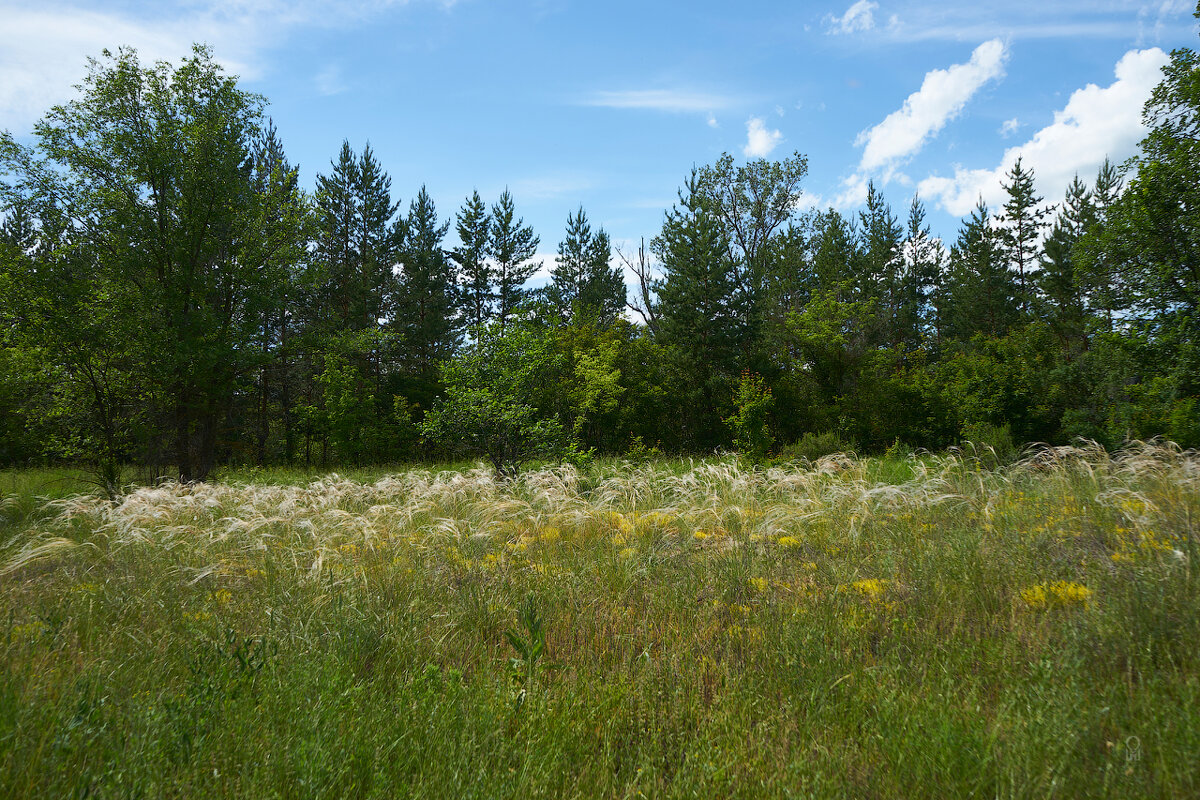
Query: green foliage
{"points": [[474, 229], [1019, 229], [425, 315], [981, 295], [584, 287], [511, 244], [812, 446], [363, 428], [486, 409], [701, 310], [169, 298], [530, 644], [992, 444], [750, 423]]}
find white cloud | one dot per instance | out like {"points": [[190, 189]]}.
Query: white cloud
{"points": [[760, 140], [712, 121], [1095, 123], [44, 51], [1010, 127], [812, 201], [858, 17], [853, 192], [942, 95], [672, 100]]}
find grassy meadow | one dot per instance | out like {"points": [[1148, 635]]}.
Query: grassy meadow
{"points": [[929, 627]]}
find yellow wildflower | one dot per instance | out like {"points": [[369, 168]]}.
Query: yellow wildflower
{"points": [[871, 588], [1058, 594]]}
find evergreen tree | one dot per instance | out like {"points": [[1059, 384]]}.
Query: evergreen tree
{"points": [[1059, 279], [426, 310], [880, 262], [375, 240], [511, 245], [474, 273], [1019, 230], [983, 294], [1153, 233], [583, 285], [275, 174], [923, 257], [18, 228], [337, 224], [357, 242], [1100, 274], [834, 252], [698, 310]]}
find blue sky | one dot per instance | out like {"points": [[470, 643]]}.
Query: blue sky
{"points": [[609, 104]]}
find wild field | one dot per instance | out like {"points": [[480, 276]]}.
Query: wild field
{"points": [[862, 628]]}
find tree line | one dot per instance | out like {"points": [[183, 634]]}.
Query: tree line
{"points": [[171, 298]]}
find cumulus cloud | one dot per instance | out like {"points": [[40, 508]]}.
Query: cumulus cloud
{"points": [[760, 140], [1095, 123], [858, 17], [1010, 127], [942, 96]]}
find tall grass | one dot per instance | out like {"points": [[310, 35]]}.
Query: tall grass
{"points": [[927, 627]]}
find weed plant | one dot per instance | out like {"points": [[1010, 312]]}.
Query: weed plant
{"points": [[925, 627]]}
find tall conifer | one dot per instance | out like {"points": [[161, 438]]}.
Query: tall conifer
{"points": [[512, 245]]}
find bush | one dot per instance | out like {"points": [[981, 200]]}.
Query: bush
{"points": [[812, 446], [992, 444], [750, 424]]}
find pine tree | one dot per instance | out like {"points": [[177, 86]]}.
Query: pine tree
{"points": [[698, 309], [275, 175], [880, 261], [583, 285], [834, 251], [923, 257], [983, 294], [18, 229], [376, 239], [1020, 228], [337, 224], [1059, 280], [1100, 274], [426, 308], [358, 237], [512, 245], [474, 273]]}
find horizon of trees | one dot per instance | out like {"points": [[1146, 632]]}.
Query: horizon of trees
{"points": [[171, 298]]}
